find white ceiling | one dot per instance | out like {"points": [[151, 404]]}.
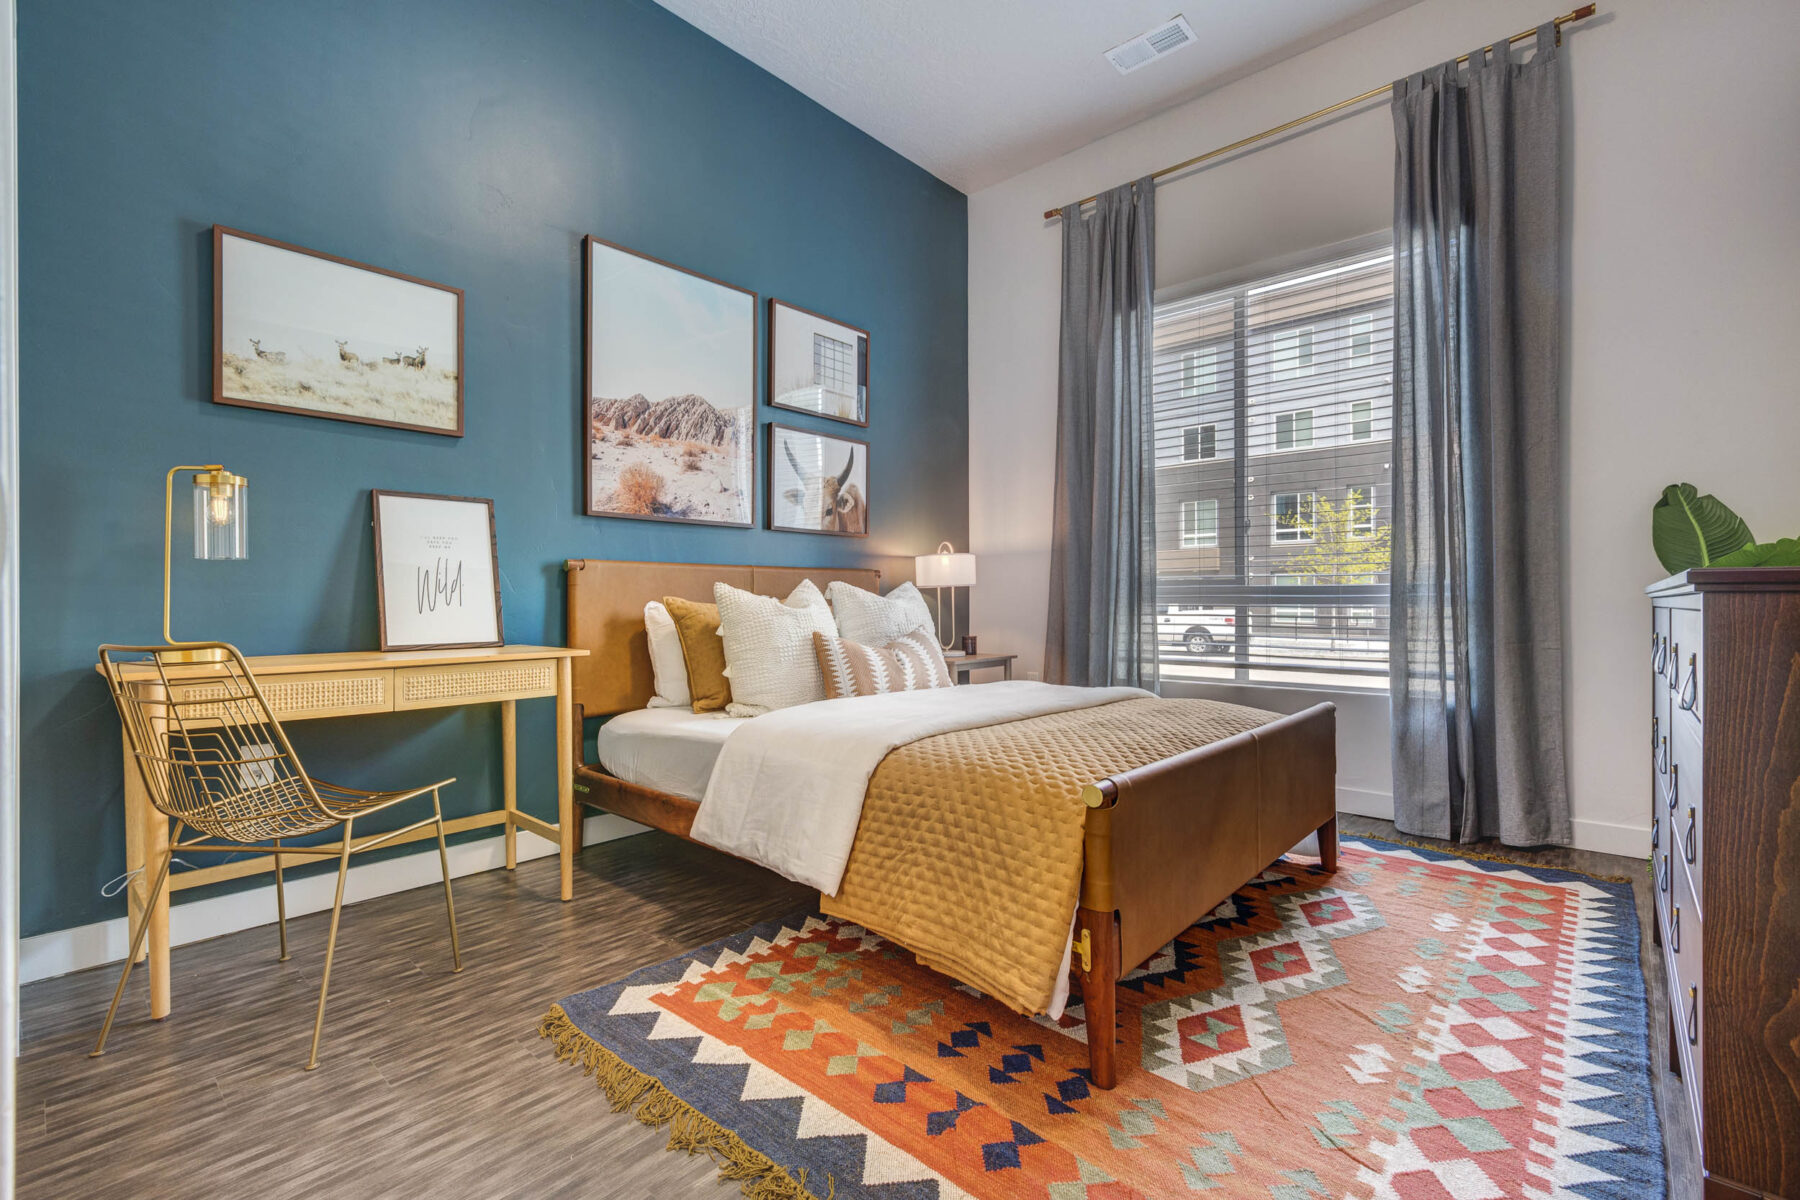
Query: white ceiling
{"points": [[976, 91]]}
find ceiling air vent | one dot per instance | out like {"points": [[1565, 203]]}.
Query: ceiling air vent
{"points": [[1166, 38]]}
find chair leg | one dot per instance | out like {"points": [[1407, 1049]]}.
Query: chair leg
{"points": [[449, 900], [280, 904], [337, 910], [137, 944]]}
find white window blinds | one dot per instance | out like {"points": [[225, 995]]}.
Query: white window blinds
{"points": [[1273, 449]]}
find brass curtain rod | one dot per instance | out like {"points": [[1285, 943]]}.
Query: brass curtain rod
{"points": [[1580, 14]]}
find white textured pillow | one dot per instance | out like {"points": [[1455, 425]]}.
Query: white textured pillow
{"points": [[668, 666], [873, 620], [769, 653]]}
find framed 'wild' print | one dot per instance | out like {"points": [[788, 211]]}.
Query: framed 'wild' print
{"points": [[437, 571], [295, 330], [669, 391]]}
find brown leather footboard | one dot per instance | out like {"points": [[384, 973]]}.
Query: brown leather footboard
{"points": [[1169, 841]]}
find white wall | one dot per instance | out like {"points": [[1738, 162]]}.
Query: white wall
{"points": [[1684, 305]]}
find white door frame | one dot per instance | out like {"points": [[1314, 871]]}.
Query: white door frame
{"points": [[9, 590]]}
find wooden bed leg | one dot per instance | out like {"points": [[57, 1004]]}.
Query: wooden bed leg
{"points": [[1100, 992], [1328, 845]]}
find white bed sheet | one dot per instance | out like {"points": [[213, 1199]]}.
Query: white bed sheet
{"points": [[669, 749]]}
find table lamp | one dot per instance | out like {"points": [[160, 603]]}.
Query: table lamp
{"points": [[220, 532], [945, 569]]}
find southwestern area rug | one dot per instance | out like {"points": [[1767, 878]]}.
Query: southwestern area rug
{"points": [[1416, 1027]]}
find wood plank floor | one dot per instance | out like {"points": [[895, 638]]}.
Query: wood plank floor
{"points": [[429, 1084]]}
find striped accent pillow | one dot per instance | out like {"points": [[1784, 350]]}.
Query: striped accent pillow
{"points": [[853, 669]]}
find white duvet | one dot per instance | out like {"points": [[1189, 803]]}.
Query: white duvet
{"points": [[787, 789]]}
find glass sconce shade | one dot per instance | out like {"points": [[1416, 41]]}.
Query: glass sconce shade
{"points": [[221, 524]]}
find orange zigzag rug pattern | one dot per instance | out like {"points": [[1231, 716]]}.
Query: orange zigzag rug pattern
{"points": [[1415, 1027]]}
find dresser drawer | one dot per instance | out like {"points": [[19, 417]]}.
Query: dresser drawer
{"points": [[1683, 943], [1687, 656], [1684, 809]]}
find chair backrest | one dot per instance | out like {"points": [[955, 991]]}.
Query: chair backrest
{"points": [[211, 751]]}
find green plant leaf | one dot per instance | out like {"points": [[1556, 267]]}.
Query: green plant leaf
{"points": [[1784, 553], [1691, 530]]}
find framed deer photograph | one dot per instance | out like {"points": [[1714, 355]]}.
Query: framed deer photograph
{"points": [[298, 331], [818, 482], [668, 392], [817, 365]]}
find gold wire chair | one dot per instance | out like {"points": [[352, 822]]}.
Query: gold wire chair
{"points": [[215, 759]]}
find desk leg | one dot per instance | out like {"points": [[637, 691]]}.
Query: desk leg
{"points": [[137, 803], [156, 848], [509, 767], [568, 823]]}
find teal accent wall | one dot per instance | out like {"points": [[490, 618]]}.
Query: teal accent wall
{"points": [[471, 142]]}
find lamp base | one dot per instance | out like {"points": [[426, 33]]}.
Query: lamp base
{"points": [[206, 654]]}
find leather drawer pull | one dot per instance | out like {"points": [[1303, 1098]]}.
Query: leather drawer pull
{"points": [[1662, 756], [1659, 652], [1662, 877], [1690, 691], [1676, 651], [1675, 930], [1655, 733], [1674, 786], [1692, 832], [1693, 1021], [1656, 831]]}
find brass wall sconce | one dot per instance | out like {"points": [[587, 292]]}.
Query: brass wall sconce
{"points": [[221, 532]]}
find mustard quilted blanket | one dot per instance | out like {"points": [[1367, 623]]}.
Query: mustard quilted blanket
{"points": [[970, 846]]}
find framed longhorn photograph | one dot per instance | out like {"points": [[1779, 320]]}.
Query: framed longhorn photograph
{"points": [[298, 331], [669, 391], [437, 571], [818, 365], [818, 482]]}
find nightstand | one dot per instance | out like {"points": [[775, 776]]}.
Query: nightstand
{"points": [[960, 667]]}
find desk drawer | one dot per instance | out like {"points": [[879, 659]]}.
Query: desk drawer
{"points": [[338, 694], [473, 683]]}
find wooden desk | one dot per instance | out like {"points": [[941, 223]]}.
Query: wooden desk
{"points": [[302, 687]]}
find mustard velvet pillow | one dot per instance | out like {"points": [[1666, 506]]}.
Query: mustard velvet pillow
{"points": [[697, 625]]}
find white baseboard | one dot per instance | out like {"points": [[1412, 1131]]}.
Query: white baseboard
{"points": [[57, 953], [1365, 803], [1603, 837]]}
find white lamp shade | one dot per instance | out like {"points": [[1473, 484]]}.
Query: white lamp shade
{"points": [[944, 570]]}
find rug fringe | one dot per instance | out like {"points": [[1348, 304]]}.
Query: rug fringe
{"points": [[1483, 856], [690, 1130]]}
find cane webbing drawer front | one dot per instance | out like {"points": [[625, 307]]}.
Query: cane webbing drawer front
{"points": [[336, 694], [434, 687], [1725, 795]]}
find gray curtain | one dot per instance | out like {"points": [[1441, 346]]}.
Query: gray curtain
{"points": [[1102, 627], [1477, 569]]}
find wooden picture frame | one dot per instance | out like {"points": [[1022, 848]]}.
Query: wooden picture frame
{"points": [[840, 498], [366, 386], [793, 377], [686, 456], [445, 584]]}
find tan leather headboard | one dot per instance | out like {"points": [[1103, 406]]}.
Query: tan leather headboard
{"points": [[606, 616]]}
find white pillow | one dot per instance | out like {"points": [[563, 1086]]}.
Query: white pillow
{"points": [[769, 655], [873, 620], [668, 665]]}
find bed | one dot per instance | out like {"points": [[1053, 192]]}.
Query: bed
{"points": [[1162, 844]]}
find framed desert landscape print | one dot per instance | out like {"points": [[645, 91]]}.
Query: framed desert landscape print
{"points": [[437, 571], [298, 331], [669, 391], [818, 482], [817, 365]]}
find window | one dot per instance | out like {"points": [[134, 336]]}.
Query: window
{"points": [[834, 365], [1293, 354], [1198, 442], [1200, 372], [1294, 513], [1361, 503], [1293, 431], [1199, 523], [1282, 531]]}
